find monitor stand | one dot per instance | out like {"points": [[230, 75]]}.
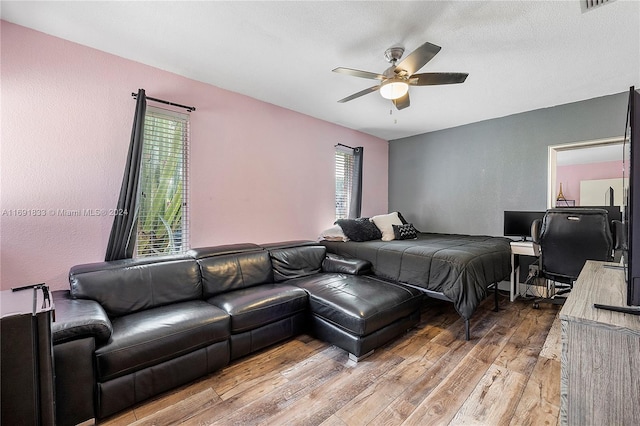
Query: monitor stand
{"points": [[613, 266]]}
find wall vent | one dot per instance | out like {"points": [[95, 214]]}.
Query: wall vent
{"points": [[588, 5]]}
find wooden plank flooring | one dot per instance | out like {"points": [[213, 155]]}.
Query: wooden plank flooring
{"points": [[428, 376]]}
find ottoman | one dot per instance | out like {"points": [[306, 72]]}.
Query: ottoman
{"points": [[359, 313]]}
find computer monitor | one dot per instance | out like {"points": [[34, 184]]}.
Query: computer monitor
{"points": [[518, 223]]}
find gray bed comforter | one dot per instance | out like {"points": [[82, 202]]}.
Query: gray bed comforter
{"points": [[458, 266]]}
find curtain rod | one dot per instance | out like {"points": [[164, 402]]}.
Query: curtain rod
{"points": [[188, 108], [346, 146], [356, 149]]}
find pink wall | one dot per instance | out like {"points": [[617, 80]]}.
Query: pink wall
{"points": [[259, 173], [570, 176]]}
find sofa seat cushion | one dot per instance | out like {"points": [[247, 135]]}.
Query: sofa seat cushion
{"points": [[153, 336], [257, 306], [358, 304]]}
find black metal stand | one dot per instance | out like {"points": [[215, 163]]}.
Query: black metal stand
{"points": [[625, 310]]}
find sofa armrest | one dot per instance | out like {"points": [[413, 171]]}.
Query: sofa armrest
{"points": [[78, 318], [336, 263]]}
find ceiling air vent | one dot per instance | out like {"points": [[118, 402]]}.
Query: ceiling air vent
{"points": [[587, 5]]}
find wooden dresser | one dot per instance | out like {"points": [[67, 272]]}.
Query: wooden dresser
{"points": [[600, 375]]}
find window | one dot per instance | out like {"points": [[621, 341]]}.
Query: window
{"points": [[163, 225], [344, 176]]}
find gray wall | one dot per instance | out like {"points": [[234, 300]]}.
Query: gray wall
{"points": [[460, 180]]}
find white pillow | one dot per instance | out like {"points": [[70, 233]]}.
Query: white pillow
{"points": [[334, 233], [385, 223]]}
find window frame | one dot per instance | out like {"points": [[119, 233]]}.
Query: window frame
{"points": [[344, 165], [156, 141]]}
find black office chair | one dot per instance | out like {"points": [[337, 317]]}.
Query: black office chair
{"points": [[567, 239]]}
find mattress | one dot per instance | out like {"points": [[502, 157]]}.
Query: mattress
{"points": [[459, 266]]}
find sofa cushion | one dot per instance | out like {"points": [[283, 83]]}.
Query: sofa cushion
{"points": [[152, 336], [297, 262], [358, 304], [126, 286], [202, 252], [288, 244], [257, 306], [345, 265], [221, 274]]}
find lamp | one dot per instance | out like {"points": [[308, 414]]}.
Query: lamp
{"points": [[393, 88]]}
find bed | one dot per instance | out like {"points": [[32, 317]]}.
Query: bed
{"points": [[457, 268]]}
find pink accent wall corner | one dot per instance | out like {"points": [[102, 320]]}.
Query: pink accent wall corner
{"points": [[571, 176], [258, 173]]}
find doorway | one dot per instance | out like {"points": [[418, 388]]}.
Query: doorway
{"points": [[583, 188]]}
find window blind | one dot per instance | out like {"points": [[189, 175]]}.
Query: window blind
{"points": [[344, 176], [587, 5], [163, 219]]}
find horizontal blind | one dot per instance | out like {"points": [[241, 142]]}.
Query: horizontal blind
{"points": [[163, 219], [587, 5], [344, 176]]}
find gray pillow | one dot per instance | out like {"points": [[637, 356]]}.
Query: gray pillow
{"points": [[361, 229]]}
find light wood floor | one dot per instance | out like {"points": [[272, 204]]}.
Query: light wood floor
{"points": [[429, 376]]}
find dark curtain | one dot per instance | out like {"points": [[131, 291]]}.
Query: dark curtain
{"points": [[355, 204], [122, 239]]}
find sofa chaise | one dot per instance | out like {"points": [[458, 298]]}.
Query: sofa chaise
{"points": [[128, 330]]}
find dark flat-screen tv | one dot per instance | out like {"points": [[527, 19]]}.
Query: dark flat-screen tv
{"points": [[518, 223], [631, 211]]}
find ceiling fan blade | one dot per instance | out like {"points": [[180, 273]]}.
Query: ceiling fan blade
{"points": [[434, 78], [418, 58], [360, 93], [403, 102], [358, 73]]}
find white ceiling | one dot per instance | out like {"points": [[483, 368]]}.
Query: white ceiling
{"points": [[520, 55]]}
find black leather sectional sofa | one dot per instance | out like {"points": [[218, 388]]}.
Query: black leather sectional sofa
{"points": [[131, 329]]}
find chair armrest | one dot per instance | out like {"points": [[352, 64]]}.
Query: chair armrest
{"points": [[536, 226], [78, 318], [335, 263], [619, 235]]}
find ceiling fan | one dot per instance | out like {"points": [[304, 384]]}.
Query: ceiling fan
{"points": [[395, 80]]}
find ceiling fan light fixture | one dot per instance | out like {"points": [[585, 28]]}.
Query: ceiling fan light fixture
{"points": [[393, 88]]}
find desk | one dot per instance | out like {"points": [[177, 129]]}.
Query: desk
{"points": [[599, 380], [520, 248]]}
